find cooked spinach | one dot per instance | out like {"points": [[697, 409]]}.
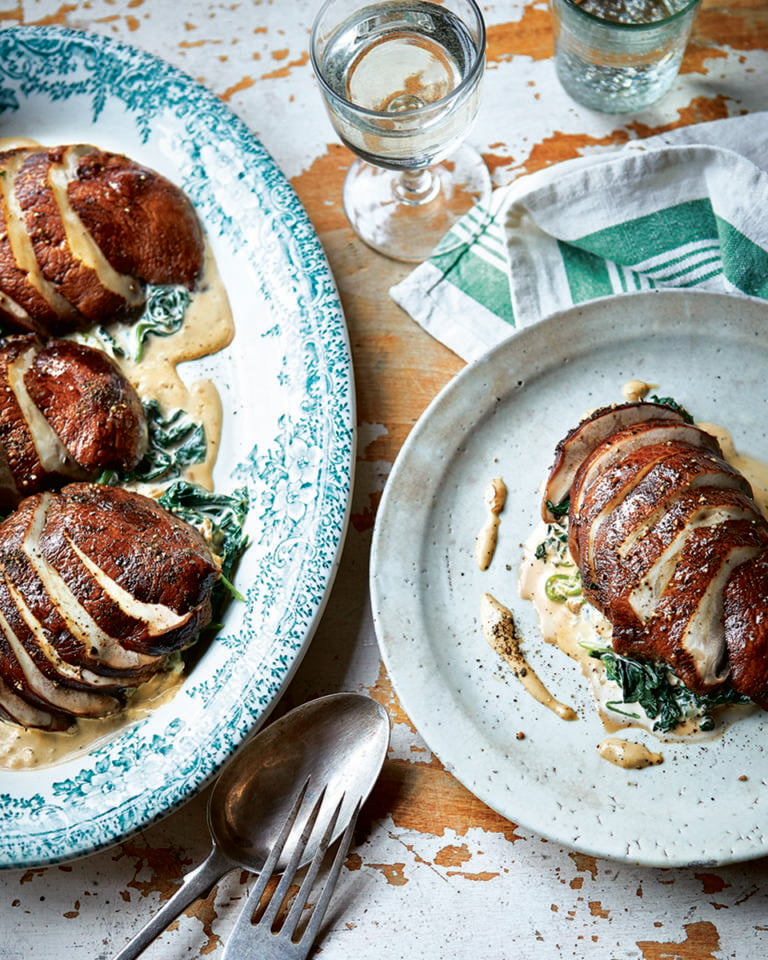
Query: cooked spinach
{"points": [[554, 545], [175, 442], [669, 402], [162, 314], [663, 697], [559, 509], [220, 516]]}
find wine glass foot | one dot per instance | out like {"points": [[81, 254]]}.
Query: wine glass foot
{"points": [[406, 221]]}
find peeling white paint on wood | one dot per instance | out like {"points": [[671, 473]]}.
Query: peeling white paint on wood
{"points": [[432, 872]]}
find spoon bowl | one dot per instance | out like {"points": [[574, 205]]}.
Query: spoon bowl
{"points": [[336, 743]]}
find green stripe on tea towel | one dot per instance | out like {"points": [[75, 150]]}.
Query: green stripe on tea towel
{"points": [[745, 263], [587, 274], [655, 234], [479, 279]]}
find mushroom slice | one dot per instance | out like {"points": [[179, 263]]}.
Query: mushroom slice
{"points": [[745, 612], [577, 445], [29, 301]]}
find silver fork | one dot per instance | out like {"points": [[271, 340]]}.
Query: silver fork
{"points": [[257, 932]]}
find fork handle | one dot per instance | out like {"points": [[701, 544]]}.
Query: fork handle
{"points": [[195, 884]]}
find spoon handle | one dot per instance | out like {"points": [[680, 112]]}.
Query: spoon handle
{"points": [[195, 884]]}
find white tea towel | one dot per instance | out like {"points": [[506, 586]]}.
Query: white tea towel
{"points": [[685, 209]]}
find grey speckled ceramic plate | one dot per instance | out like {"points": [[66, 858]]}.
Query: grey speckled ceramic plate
{"points": [[288, 436], [708, 802]]}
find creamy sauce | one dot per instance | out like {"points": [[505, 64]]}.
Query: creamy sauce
{"points": [[485, 544], [561, 622], [568, 623], [756, 471], [627, 754], [207, 328], [635, 390], [501, 633], [10, 143], [24, 749]]}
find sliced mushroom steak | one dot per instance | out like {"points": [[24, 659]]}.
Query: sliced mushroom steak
{"points": [[82, 232], [670, 545], [98, 585]]}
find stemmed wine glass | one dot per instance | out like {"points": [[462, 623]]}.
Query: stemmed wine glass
{"points": [[401, 83]]}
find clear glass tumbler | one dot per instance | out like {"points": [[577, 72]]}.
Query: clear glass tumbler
{"points": [[618, 56]]}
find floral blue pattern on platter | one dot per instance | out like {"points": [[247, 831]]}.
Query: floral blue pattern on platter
{"points": [[288, 403]]}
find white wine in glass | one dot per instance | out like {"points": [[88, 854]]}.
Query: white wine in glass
{"points": [[401, 83]]}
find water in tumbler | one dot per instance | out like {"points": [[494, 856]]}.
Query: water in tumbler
{"points": [[626, 59], [633, 11]]}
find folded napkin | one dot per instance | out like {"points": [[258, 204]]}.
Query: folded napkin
{"points": [[688, 208]]}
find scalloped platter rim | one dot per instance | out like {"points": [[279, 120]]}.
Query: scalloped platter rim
{"points": [[287, 393]]}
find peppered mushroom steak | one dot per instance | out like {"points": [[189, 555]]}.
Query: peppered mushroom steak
{"points": [[669, 542], [98, 586], [82, 232], [66, 413]]}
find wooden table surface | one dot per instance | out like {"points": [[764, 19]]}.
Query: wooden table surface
{"points": [[433, 872]]}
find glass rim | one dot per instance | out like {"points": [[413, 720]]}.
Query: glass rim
{"points": [[477, 67], [619, 25]]}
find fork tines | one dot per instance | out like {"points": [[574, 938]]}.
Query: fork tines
{"points": [[261, 923]]}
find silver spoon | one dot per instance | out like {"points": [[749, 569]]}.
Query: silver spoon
{"points": [[338, 742]]}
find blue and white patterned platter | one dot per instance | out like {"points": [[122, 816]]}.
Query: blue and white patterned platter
{"points": [[287, 393]]}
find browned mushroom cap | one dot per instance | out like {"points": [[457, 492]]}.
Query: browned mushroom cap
{"points": [[144, 224], [97, 586], [82, 232], [90, 404]]}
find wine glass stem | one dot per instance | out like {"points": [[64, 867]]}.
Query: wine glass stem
{"points": [[417, 186]]}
